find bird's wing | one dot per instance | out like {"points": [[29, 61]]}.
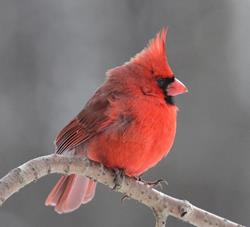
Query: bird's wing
{"points": [[93, 119]]}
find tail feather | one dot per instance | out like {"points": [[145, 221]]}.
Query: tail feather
{"points": [[56, 192], [70, 192], [90, 193]]}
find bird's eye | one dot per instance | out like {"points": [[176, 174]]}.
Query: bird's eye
{"points": [[164, 82]]}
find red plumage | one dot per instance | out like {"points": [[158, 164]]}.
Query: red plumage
{"points": [[129, 123]]}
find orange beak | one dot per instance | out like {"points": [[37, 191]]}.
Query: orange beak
{"points": [[176, 88]]}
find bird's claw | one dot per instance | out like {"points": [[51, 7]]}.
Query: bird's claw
{"points": [[125, 197], [119, 177], [154, 184]]}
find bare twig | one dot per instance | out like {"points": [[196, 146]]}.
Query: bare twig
{"points": [[162, 204], [160, 219]]}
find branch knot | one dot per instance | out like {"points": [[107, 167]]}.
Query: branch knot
{"points": [[185, 208]]}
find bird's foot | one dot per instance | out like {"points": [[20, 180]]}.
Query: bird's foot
{"points": [[119, 177], [154, 184]]}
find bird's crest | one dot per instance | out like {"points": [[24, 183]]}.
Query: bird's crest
{"points": [[154, 55]]}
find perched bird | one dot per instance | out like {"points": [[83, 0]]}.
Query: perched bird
{"points": [[129, 123]]}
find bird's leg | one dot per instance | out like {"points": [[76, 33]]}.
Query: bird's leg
{"points": [[119, 177]]}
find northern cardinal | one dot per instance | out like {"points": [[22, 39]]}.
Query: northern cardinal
{"points": [[129, 123]]}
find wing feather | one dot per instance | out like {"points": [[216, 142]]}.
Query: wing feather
{"points": [[92, 120]]}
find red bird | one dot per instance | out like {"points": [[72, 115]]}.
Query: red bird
{"points": [[128, 124]]}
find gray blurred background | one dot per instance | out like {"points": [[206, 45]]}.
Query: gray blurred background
{"points": [[54, 54]]}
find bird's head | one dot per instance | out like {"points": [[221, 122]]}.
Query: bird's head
{"points": [[153, 60]]}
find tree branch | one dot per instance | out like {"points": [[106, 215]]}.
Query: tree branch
{"points": [[160, 219], [162, 204]]}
